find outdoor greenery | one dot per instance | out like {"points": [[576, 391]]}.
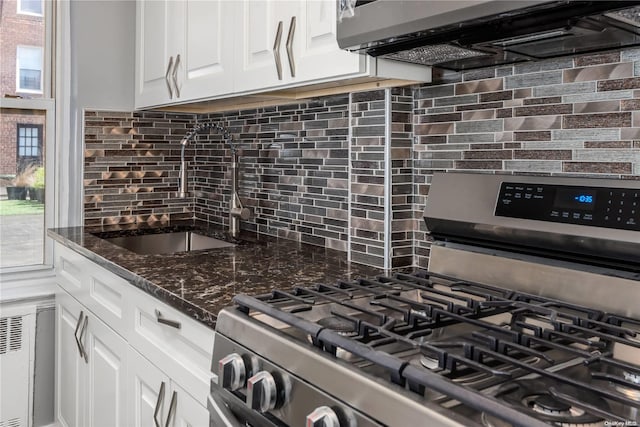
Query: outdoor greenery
{"points": [[21, 207], [38, 177]]}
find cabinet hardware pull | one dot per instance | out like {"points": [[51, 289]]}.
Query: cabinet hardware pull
{"points": [[75, 333], [164, 321], [84, 328], [276, 50], [174, 75], [292, 32], [166, 77], [172, 408], [158, 404]]}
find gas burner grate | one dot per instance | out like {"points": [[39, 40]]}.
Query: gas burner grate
{"points": [[508, 334]]}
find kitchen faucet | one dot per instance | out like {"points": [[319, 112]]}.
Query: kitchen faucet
{"points": [[236, 210]]}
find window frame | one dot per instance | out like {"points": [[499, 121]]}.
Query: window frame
{"points": [[47, 104], [21, 11], [19, 89], [48, 148]]}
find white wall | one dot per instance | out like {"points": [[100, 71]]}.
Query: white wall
{"points": [[101, 70]]}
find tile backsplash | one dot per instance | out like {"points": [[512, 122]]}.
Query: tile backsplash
{"points": [[293, 170], [131, 163], [352, 172], [565, 116]]}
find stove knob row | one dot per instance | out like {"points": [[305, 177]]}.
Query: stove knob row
{"points": [[324, 416], [232, 372]]}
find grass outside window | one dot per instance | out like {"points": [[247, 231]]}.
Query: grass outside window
{"points": [[21, 207]]}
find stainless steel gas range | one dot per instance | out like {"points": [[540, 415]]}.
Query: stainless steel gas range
{"points": [[529, 315]]}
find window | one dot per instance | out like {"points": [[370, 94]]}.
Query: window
{"points": [[29, 148], [30, 7], [27, 131], [29, 69]]}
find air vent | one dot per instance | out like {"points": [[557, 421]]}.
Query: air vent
{"points": [[631, 16], [10, 335], [435, 54], [13, 422]]}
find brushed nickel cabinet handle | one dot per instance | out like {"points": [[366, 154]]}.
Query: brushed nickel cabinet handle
{"points": [[174, 75], [168, 322], [82, 331], [292, 32], [172, 408], [75, 333], [276, 50], [158, 404], [166, 77]]}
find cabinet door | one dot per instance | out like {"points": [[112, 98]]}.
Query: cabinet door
{"points": [[146, 385], [106, 375], [208, 59], [159, 41], [177, 344], [69, 364], [258, 55], [188, 412], [316, 55]]}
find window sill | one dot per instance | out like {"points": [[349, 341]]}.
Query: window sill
{"points": [[26, 283]]}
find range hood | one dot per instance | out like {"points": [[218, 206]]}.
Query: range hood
{"points": [[467, 34]]}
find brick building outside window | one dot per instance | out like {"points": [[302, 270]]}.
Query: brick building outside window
{"points": [[21, 75]]}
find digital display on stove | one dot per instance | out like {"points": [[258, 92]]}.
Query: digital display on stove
{"points": [[569, 198], [607, 207]]}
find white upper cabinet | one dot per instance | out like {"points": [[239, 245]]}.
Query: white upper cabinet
{"points": [[209, 38], [193, 50], [316, 52], [259, 45], [183, 50], [159, 51], [285, 43]]}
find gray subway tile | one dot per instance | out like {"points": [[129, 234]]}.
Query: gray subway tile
{"points": [[531, 80], [564, 89], [479, 126]]}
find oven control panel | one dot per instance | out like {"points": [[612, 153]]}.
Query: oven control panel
{"points": [[595, 206]]}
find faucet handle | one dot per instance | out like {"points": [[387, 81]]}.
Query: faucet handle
{"points": [[240, 212]]}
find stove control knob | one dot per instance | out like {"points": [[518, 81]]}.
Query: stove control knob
{"points": [[262, 392], [323, 416], [232, 372]]}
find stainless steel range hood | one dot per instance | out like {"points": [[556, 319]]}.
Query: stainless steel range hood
{"points": [[467, 34]]}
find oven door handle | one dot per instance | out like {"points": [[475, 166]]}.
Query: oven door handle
{"points": [[220, 414]]}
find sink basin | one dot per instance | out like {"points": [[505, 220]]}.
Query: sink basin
{"points": [[168, 243]]}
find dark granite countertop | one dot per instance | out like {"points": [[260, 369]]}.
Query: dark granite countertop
{"points": [[201, 283]]}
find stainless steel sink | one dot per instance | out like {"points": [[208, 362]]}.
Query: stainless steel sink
{"points": [[168, 243]]}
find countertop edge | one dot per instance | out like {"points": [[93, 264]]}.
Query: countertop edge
{"points": [[197, 313]]}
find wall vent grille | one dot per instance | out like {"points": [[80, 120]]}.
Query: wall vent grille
{"points": [[10, 337], [13, 422]]}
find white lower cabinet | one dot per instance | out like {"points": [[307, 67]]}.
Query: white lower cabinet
{"points": [[110, 369], [189, 412], [175, 343], [91, 368], [69, 363], [155, 398], [147, 387]]}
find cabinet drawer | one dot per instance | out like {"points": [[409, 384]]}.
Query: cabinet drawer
{"points": [[70, 273], [99, 290], [180, 346]]}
